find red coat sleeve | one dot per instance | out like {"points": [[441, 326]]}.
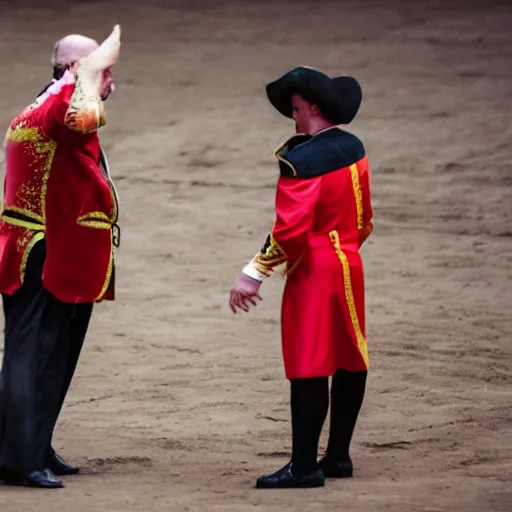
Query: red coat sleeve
{"points": [[295, 206], [73, 104], [296, 200]]}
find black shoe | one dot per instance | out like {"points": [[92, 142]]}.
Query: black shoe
{"points": [[336, 469], [43, 479], [59, 467], [284, 478]]}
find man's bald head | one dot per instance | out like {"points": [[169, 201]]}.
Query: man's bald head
{"points": [[72, 48], [67, 53]]}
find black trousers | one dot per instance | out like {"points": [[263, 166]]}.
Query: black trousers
{"points": [[43, 341], [309, 406]]}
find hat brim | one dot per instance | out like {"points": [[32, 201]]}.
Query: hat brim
{"points": [[337, 98]]}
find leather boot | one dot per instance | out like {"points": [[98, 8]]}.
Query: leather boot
{"points": [[59, 467], [42, 479], [285, 479]]}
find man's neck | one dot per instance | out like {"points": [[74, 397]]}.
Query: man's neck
{"points": [[321, 125]]}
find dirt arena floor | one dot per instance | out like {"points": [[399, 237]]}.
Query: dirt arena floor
{"points": [[178, 405]]}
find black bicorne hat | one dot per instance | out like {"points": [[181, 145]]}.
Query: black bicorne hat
{"points": [[337, 98]]}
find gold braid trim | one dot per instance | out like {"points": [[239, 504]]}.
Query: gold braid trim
{"points": [[270, 257], [358, 195], [98, 220], [277, 154], [107, 278], [349, 295], [32, 226], [36, 238], [38, 219]]}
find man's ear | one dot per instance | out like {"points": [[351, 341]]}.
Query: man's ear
{"points": [[73, 67], [315, 110]]}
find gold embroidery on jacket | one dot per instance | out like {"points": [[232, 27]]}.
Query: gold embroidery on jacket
{"points": [[98, 220], [31, 215], [32, 226], [46, 148], [358, 195], [349, 294], [86, 112], [265, 262]]}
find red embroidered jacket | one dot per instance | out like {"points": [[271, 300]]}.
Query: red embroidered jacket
{"points": [[323, 216], [55, 189]]}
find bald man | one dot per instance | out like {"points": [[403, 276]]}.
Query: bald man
{"points": [[58, 228]]}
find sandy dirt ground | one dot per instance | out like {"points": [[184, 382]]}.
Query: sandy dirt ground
{"points": [[178, 405]]}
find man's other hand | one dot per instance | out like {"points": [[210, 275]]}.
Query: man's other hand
{"points": [[245, 292]]}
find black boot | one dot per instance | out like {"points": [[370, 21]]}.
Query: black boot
{"points": [[42, 479], [309, 404], [347, 393], [59, 467], [336, 469], [285, 479]]}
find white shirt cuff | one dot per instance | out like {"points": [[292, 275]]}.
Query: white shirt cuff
{"points": [[251, 271]]}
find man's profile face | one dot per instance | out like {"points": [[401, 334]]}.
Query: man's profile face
{"points": [[107, 85], [303, 112]]}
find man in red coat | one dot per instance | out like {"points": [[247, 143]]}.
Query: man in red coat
{"points": [[58, 227], [323, 216]]}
